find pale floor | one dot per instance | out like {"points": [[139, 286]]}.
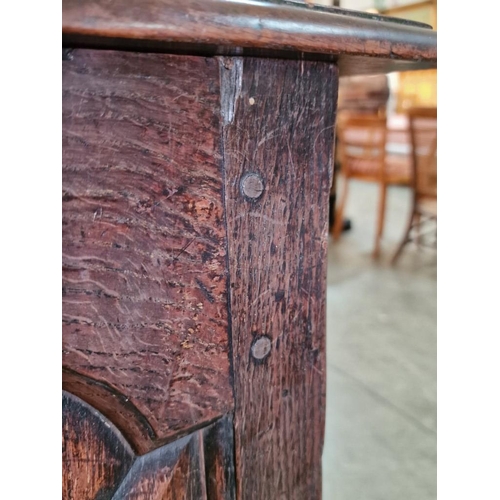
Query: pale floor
{"points": [[380, 440]]}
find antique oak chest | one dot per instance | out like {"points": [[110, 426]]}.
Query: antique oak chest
{"points": [[197, 164]]}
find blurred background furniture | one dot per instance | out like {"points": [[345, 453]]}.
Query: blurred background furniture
{"points": [[362, 142], [423, 133], [362, 94], [394, 93]]}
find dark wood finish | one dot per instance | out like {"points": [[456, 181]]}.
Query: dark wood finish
{"points": [[95, 456], [279, 125], [361, 42], [195, 195], [145, 326], [99, 464], [118, 408], [218, 450], [196, 467], [175, 471]]}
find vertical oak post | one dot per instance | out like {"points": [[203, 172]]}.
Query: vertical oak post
{"points": [[278, 129]]}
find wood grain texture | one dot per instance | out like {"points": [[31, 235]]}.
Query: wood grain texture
{"points": [[118, 407], [240, 27], [196, 467], [348, 65], [218, 450], [279, 124], [173, 472], [98, 463], [95, 456], [144, 249]]}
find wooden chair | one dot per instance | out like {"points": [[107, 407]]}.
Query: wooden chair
{"points": [[362, 155], [423, 132]]}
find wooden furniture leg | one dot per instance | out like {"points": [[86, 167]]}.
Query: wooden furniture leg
{"points": [[418, 235], [277, 195], [406, 237], [339, 215], [423, 132], [380, 219]]}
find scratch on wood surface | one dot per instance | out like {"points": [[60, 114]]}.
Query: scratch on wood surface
{"points": [[143, 218], [179, 96], [263, 217], [272, 133], [277, 269], [321, 132]]}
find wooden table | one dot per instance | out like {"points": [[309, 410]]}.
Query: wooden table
{"points": [[197, 164]]}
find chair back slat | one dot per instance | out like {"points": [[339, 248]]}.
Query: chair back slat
{"points": [[361, 143], [423, 130]]}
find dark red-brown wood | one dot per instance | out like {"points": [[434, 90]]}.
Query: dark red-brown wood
{"points": [[145, 323], [278, 126], [361, 42], [99, 464], [175, 471], [195, 211], [95, 457], [218, 450]]}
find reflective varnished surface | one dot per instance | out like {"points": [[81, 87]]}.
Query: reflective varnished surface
{"points": [[359, 42]]}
